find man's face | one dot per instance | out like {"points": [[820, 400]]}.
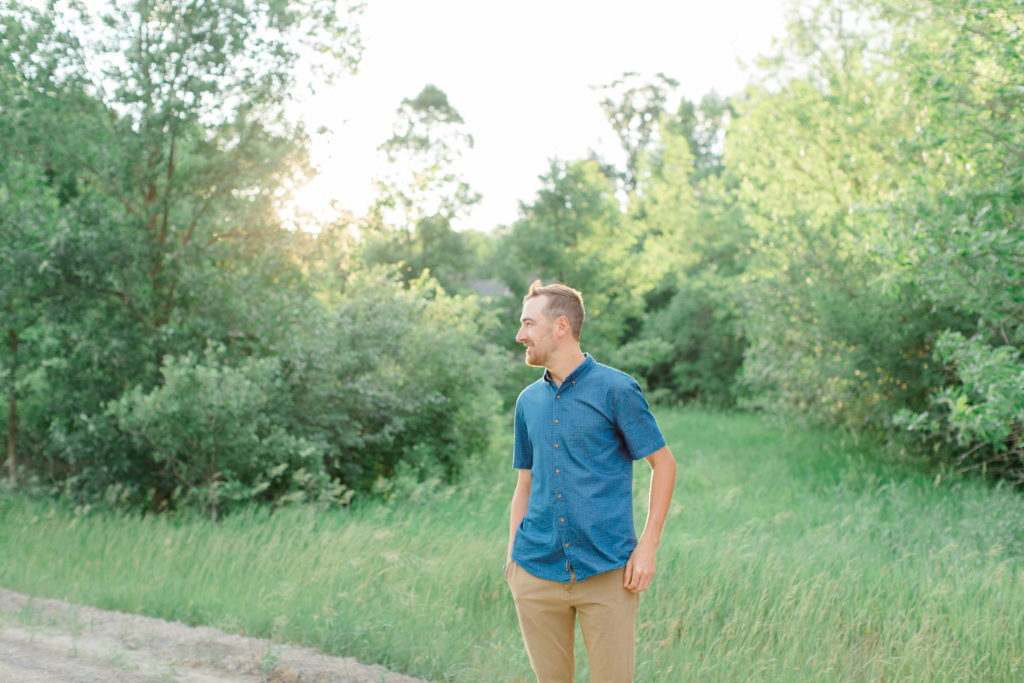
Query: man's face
{"points": [[536, 332]]}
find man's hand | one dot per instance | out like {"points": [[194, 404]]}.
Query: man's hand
{"points": [[640, 568]]}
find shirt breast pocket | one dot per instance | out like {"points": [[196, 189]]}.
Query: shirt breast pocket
{"points": [[594, 445]]}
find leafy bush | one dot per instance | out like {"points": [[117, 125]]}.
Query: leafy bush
{"points": [[688, 350], [217, 436], [885, 235], [373, 382], [983, 411], [391, 374]]}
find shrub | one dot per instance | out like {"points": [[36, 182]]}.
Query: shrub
{"points": [[392, 374], [982, 412], [690, 349], [214, 432]]}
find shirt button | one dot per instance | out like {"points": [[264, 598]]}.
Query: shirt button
{"points": [[558, 471], [556, 420], [556, 445], [558, 396], [559, 495], [561, 519], [566, 545]]}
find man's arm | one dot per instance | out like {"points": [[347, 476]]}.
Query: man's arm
{"points": [[643, 561], [520, 504]]}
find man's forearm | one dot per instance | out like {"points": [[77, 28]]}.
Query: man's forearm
{"points": [[644, 560], [520, 504], [515, 518], [663, 480]]}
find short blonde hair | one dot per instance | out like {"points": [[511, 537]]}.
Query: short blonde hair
{"points": [[562, 300]]}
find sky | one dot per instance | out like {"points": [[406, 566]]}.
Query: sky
{"points": [[523, 77]]}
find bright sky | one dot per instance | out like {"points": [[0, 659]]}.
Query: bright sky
{"points": [[521, 76]]}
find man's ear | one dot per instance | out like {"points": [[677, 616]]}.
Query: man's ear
{"points": [[562, 327]]}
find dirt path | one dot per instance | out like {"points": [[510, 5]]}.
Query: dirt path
{"points": [[49, 641]]}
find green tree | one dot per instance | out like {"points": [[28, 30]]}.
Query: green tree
{"points": [[160, 131], [957, 224], [703, 125], [23, 280], [423, 192], [885, 278], [575, 232], [41, 201], [814, 151], [688, 345], [634, 107]]}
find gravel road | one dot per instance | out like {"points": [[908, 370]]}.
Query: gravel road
{"points": [[49, 641]]}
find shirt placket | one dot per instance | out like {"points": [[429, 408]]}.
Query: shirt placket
{"points": [[558, 427]]}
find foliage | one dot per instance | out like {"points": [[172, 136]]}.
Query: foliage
{"points": [[655, 263], [634, 107], [165, 175], [703, 125], [842, 240], [574, 233], [689, 348], [216, 436], [148, 231], [810, 160], [423, 192], [688, 345], [983, 413], [959, 224], [883, 231], [389, 376]]}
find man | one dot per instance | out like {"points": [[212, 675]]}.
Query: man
{"points": [[572, 544]]}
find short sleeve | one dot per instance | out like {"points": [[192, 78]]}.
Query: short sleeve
{"points": [[635, 421], [522, 458]]}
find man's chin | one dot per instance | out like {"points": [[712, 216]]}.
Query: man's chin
{"points": [[532, 360]]}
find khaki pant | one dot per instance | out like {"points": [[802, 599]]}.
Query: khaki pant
{"points": [[547, 616]]}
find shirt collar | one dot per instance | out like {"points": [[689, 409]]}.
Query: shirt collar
{"points": [[581, 370]]}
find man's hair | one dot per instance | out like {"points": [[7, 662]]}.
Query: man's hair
{"points": [[561, 300]]}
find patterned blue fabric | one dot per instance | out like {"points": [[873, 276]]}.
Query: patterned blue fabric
{"points": [[579, 442]]}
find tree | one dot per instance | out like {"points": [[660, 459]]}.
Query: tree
{"points": [[703, 126], [815, 152], [957, 225], [159, 131], [575, 232], [22, 278], [633, 107], [687, 345], [192, 144], [886, 278], [36, 190], [423, 191]]}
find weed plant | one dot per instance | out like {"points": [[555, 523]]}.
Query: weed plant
{"points": [[789, 555]]}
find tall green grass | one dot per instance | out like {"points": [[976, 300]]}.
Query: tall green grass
{"points": [[789, 555]]}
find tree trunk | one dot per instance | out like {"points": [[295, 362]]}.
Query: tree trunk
{"points": [[12, 409]]}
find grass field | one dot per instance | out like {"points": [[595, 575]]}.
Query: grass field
{"points": [[789, 555]]}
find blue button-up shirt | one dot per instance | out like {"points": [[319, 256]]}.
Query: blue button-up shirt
{"points": [[579, 441]]}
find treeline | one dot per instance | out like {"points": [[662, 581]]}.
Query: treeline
{"points": [[843, 239], [169, 340]]}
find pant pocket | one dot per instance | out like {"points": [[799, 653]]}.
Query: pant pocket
{"points": [[510, 573]]}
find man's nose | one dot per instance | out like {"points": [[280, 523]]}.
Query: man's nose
{"points": [[520, 337]]}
